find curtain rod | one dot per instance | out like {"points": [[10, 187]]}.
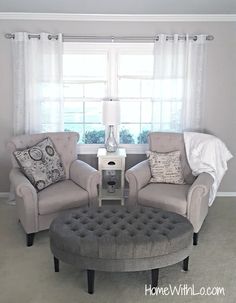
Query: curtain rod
{"points": [[113, 38]]}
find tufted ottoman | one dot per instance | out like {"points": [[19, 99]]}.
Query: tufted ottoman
{"points": [[118, 238]]}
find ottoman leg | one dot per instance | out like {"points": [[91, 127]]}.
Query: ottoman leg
{"points": [[185, 264], [90, 276], [56, 264], [195, 238], [155, 274]]}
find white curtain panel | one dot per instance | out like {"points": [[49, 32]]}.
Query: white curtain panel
{"points": [[37, 83], [179, 65]]}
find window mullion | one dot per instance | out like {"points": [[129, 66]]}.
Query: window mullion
{"points": [[114, 72], [113, 80]]}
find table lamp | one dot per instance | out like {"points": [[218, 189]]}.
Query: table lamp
{"points": [[111, 118]]}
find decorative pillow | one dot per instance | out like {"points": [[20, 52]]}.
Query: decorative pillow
{"points": [[166, 167], [41, 164]]}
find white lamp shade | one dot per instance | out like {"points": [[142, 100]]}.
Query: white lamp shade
{"points": [[111, 112]]}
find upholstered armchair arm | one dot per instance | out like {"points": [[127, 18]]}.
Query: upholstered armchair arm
{"points": [[26, 199], [138, 176], [87, 177], [197, 200], [22, 185]]}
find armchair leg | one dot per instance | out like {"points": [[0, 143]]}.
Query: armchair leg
{"points": [[195, 238], [30, 239], [185, 264], [56, 264]]}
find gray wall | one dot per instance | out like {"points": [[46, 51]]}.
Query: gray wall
{"points": [[121, 6], [220, 94]]}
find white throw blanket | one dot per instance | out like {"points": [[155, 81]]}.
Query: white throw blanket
{"points": [[207, 153]]}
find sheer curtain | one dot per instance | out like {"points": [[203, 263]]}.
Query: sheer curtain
{"points": [[37, 83], [179, 65]]}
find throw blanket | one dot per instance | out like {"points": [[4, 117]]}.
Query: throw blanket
{"points": [[207, 153]]}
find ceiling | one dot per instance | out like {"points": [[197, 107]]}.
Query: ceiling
{"points": [[121, 6]]}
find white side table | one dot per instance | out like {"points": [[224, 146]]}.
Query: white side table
{"points": [[112, 168]]}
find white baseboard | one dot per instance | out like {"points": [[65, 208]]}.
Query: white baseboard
{"points": [[4, 194], [226, 194]]}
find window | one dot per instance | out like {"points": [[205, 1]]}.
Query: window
{"points": [[93, 71], [85, 77], [134, 77]]}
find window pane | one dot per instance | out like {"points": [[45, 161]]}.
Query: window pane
{"points": [[156, 112], [94, 134], [135, 65], [166, 127], [146, 112], [49, 128], [168, 89], [143, 136], [46, 109], [73, 112], [73, 106], [129, 88], [73, 118], [166, 112], [171, 112], [130, 111], [73, 90], [93, 112], [156, 127], [85, 66], [129, 133], [147, 88], [171, 116], [95, 90], [50, 90], [75, 127]]}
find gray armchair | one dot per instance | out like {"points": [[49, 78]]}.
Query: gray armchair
{"points": [[190, 199], [35, 209]]}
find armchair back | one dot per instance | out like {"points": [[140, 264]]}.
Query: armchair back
{"points": [[166, 142], [65, 144]]}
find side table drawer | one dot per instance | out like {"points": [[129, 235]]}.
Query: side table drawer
{"points": [[111, 163]]}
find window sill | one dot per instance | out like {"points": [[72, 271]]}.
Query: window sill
{"points": [[130, 148]]}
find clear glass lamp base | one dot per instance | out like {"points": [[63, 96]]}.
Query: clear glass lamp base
{"points": [[111, 144]]}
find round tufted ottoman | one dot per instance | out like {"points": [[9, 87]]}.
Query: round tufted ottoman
{"points": [[118, 238]]}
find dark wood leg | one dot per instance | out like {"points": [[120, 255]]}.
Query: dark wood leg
{"points": [[185, 264], [195, 238], [155, 274], [30, 239], [90, 276], [56, 264]]}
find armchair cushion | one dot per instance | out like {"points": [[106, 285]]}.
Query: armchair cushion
{"points": [[41, 164], [166, 167], [62, 195], [170, 197]]}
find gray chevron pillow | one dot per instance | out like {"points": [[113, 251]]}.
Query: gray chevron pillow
{"points": [[41, 164], [165, 167]]}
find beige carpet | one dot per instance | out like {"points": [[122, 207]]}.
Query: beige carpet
{"points": [[27, 275]]}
